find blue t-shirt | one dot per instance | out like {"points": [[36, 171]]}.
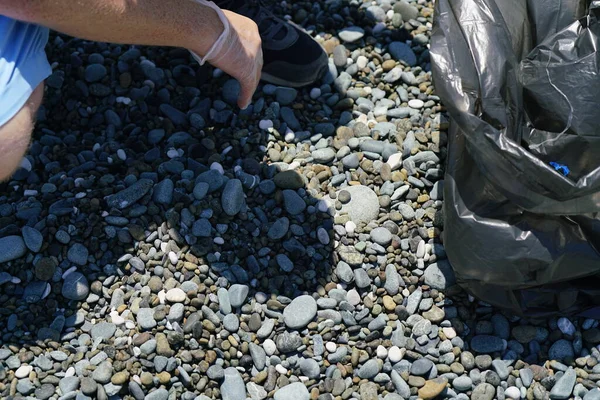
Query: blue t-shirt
{"points": [[23, 64]]}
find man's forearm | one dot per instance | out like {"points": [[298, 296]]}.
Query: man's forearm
{"points": [[177, 23]]}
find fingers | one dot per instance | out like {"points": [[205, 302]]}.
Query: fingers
{"points": [[248, 87]]}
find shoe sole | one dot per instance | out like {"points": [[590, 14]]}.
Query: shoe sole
{"points": [[274, 80]]}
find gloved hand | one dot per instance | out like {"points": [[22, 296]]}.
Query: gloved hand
{"points": [[237, 52]]}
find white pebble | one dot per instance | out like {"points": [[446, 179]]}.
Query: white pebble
{"points": [[219, 240], [46, 291], [26, 164], [176, 295], [116, 318], [80, 195], [15, 280], [382, 352], [395, 161], [121, 154], [281, 369], [265, 124], [217, 167], [217, 73], [23, 371], [123, 100], [361, 62], [161, 296], [30, 192], [96, 147], [289, 137], [270, 347], [350, 227], [109, 160], [70, 372], [173, 257], [415, 103], [353, 297], [172, 153], [315, 93], [129, 325], [449, 332], [331, 347], [395, 354], [513, 393]]}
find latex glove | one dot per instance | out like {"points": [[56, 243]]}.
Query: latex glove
{"points": [[237, 52]]}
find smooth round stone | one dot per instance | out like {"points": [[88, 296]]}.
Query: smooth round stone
{"points": [[232, 198], [215, 372], [200, 190], [270, 347], [284, 262], [310, 368], [289, 180], [513, 393], [381, 236], [95, 72], [78, 254], [11, 248], [381, 352], [421, 367], [293, 391], [231, 323], [33, 238], [331, 347], [238, 294], [175, 295], [324, 156], [416, 103], [395, 354], [145, 318], [561, 350], [103, 330], [300, 312], [402, 52], [462, 383], [293, 203], [285, 95], [351, 161], [363, 205], [233, 387], [75, 286], [369, 369], [45, 391], [23, 371], [351, 34], [440, 275]]}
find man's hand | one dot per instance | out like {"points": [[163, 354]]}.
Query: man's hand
{"points": [[180, 23], [241, 55]]}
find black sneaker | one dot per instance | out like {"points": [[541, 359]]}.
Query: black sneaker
{"points": [[291, 57]]}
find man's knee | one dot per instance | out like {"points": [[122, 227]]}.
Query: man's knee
{"points": [[15, 135]]}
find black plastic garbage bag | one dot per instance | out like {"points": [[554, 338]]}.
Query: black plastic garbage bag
{"points": [[521, 82]]}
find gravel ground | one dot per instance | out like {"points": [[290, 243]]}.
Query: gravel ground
{"points": [[158, 243]]}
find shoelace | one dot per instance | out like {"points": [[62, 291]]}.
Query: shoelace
{"points": [[268, 24]]}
